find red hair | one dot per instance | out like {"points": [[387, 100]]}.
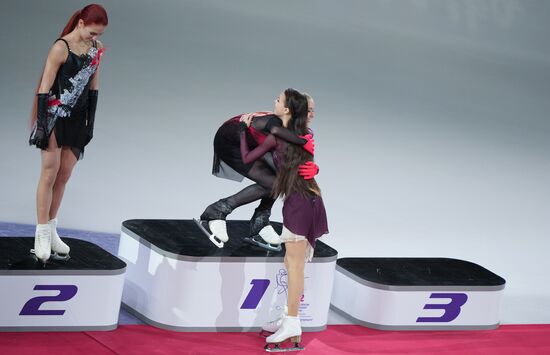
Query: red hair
{"points": [[90, 14]]}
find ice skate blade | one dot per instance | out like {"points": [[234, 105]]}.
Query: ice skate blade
{"points": [[210, 236], [60, 257], [275, 348], [36, 258], [265, 246]]}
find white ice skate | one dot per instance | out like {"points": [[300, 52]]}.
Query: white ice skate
{"points": [[274, 325], [266, 238], [42, 242], [60, 250], [215, 230], [290, 330]]}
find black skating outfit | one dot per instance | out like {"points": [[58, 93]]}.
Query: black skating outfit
{"points": [[70, 103]]}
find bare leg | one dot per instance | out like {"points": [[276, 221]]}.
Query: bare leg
{"points": [[51, 159], [295, 262], [68, 162], [290, 327]]}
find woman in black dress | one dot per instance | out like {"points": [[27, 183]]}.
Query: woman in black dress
{"points": [[63, 118], [228, 164]]}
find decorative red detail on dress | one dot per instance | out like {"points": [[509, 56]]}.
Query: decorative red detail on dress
{"points": [[54, 102], [97, 58], [258, 136]]}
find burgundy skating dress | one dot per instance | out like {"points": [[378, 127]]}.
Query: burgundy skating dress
{"points": [[303, 215]]}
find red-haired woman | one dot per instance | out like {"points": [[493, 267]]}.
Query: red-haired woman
{"points": [[63, 118]]}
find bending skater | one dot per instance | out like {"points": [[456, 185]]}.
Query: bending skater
{"points": [[304, 216], [63, 118], [228, 164]]}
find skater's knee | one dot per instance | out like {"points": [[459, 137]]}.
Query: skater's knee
{"points": [[263, 191], [258, 190], [63, 175], [263, 176], [294, 263], [296, 269], [48, 175], [267, 183]]}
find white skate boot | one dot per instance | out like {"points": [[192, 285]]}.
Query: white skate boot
{"points": [[212, 222], [270, 236], [42, 242], [266, 238], [60, 250], [215, 230], [274, 325], [290, 330]]}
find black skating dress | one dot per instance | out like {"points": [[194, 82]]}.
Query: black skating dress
{"points": [[68, 101]]}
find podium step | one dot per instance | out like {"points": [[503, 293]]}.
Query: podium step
{"points": [[417, 293], [177, 279], [81, 293]]}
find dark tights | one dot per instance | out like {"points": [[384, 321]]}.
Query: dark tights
{"points": [[264, 176]]}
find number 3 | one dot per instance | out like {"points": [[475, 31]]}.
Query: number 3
{"points": [[451, 309]]}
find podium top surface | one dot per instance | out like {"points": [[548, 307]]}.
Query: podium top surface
{"points": [[182, 239], [419, 272], [85, 259]]}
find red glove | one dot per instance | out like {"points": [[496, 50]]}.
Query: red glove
{"points": [[309, 146], [308, 170]]}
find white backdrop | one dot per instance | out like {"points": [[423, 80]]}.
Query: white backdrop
{"points": [[432, 120]]}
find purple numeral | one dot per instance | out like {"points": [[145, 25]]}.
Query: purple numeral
{"points": [[451, 309], [259, 286], [31, 308]]}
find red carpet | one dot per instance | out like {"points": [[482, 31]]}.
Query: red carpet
{"points": [[337, 339]]}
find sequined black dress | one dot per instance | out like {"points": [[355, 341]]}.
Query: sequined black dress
{"points": [[68, 102]]}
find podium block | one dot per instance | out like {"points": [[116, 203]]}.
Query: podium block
{"points": [[177, 279], [82, 293], [417, 293]]}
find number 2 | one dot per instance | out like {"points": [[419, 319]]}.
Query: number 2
{"points": [[32, 307]]}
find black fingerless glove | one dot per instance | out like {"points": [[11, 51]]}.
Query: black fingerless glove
{"points": [[92, 104], [39, 137]]}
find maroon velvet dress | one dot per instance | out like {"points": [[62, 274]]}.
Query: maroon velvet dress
{"points": [[303, 215]]}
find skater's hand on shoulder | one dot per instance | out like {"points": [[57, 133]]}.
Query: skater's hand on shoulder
{"points": [[309, 146], [261, 113], [247, 118], [308, 170]]}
